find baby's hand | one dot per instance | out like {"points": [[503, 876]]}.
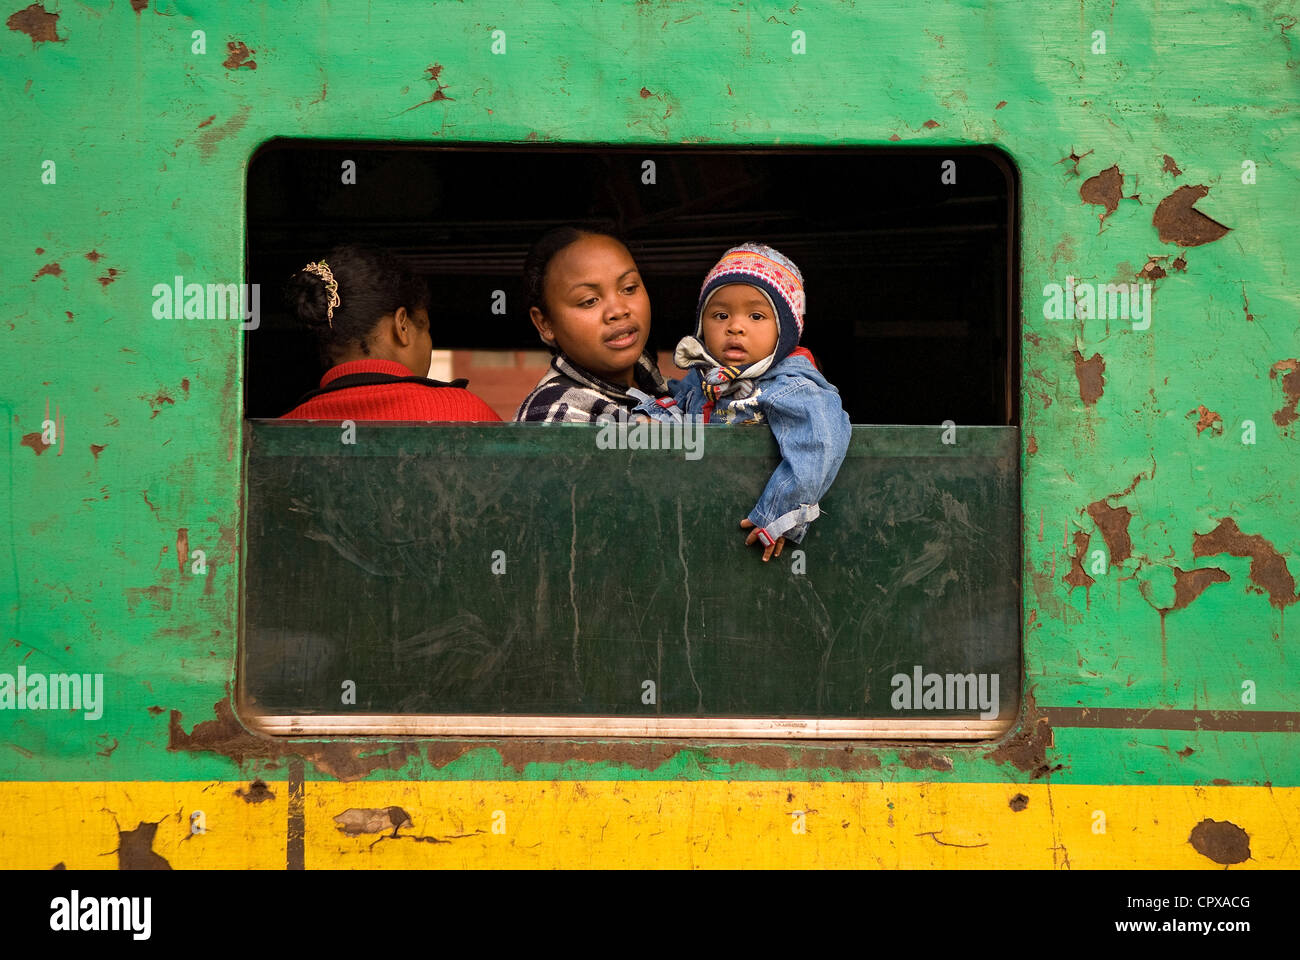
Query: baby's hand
{"points": [[769, 545]]}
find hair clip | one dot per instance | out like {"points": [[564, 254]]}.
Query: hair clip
{"points": [[323, 271]]}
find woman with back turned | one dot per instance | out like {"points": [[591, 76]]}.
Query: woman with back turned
{"points": [[371, 318]]}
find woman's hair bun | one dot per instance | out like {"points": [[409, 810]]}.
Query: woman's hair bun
{"points": [[306, 295], [371, 282]]}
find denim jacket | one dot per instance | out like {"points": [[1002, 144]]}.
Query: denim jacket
{"points": [[811, 428]]}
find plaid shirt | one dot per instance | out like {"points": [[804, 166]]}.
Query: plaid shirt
{"points": [[569, 394]]}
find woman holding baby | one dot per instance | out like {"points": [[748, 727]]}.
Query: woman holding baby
{"points": [[744, 363]]}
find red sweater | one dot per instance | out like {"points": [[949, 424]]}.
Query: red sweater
{"points": [[389, 401]]}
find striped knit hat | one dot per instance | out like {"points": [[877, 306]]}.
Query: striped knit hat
{"points": [[772, 273]]}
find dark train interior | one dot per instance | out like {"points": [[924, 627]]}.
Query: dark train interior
{"points": [[909, 279]]}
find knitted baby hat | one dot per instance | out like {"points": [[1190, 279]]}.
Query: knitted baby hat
{"points": [[771, 272]]}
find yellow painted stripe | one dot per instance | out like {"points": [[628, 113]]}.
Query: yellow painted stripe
{"points": [[647, 824], [77, 824]]}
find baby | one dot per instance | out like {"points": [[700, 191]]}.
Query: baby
{"points": [[746, 366]]}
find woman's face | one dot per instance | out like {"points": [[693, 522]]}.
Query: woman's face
{"points": [[597, 309]]}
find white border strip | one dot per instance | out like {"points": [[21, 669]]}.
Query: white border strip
{"points": [[371, 725]]}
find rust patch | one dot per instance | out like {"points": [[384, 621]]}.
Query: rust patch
{"points": [[1178, 221], [1222, 841], [1153, 270], [434, 71], [1285, 22], [160, 597], [185, 384], [1001, 104], [357, 820], [154, 711], [135, 849], [37, 23], [924, 760], [1050, 603], [1032, 445], [1074, 159], [157, 400], [1106, 189], [225, 735], [35, 441], [207, 141], [1171, 167], [796, 756], [349, 761], [225, 540], [207, 122], [1190, 584], [645, 93], [1027, 748], [182, 548], [768, 756], [930, 124], [895, 137], [1090, 374], [105, 748], [1290, 386], [1078, 577], [238, 55], [1180, 263], [257, 792], [443, 752], [109, 277], [1208, 420], [1063, 250], [296, 824], [97, 449], [50, 269], [1133, 486], [139, 5], [1113, 523], [779, 757], [1267, 567], [1186, 752], [518, 754], [1018, 802], [1220, 782], [94, 256]]}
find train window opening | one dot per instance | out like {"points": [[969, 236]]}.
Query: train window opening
{"points": [[909, 276], [496, 580]]}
